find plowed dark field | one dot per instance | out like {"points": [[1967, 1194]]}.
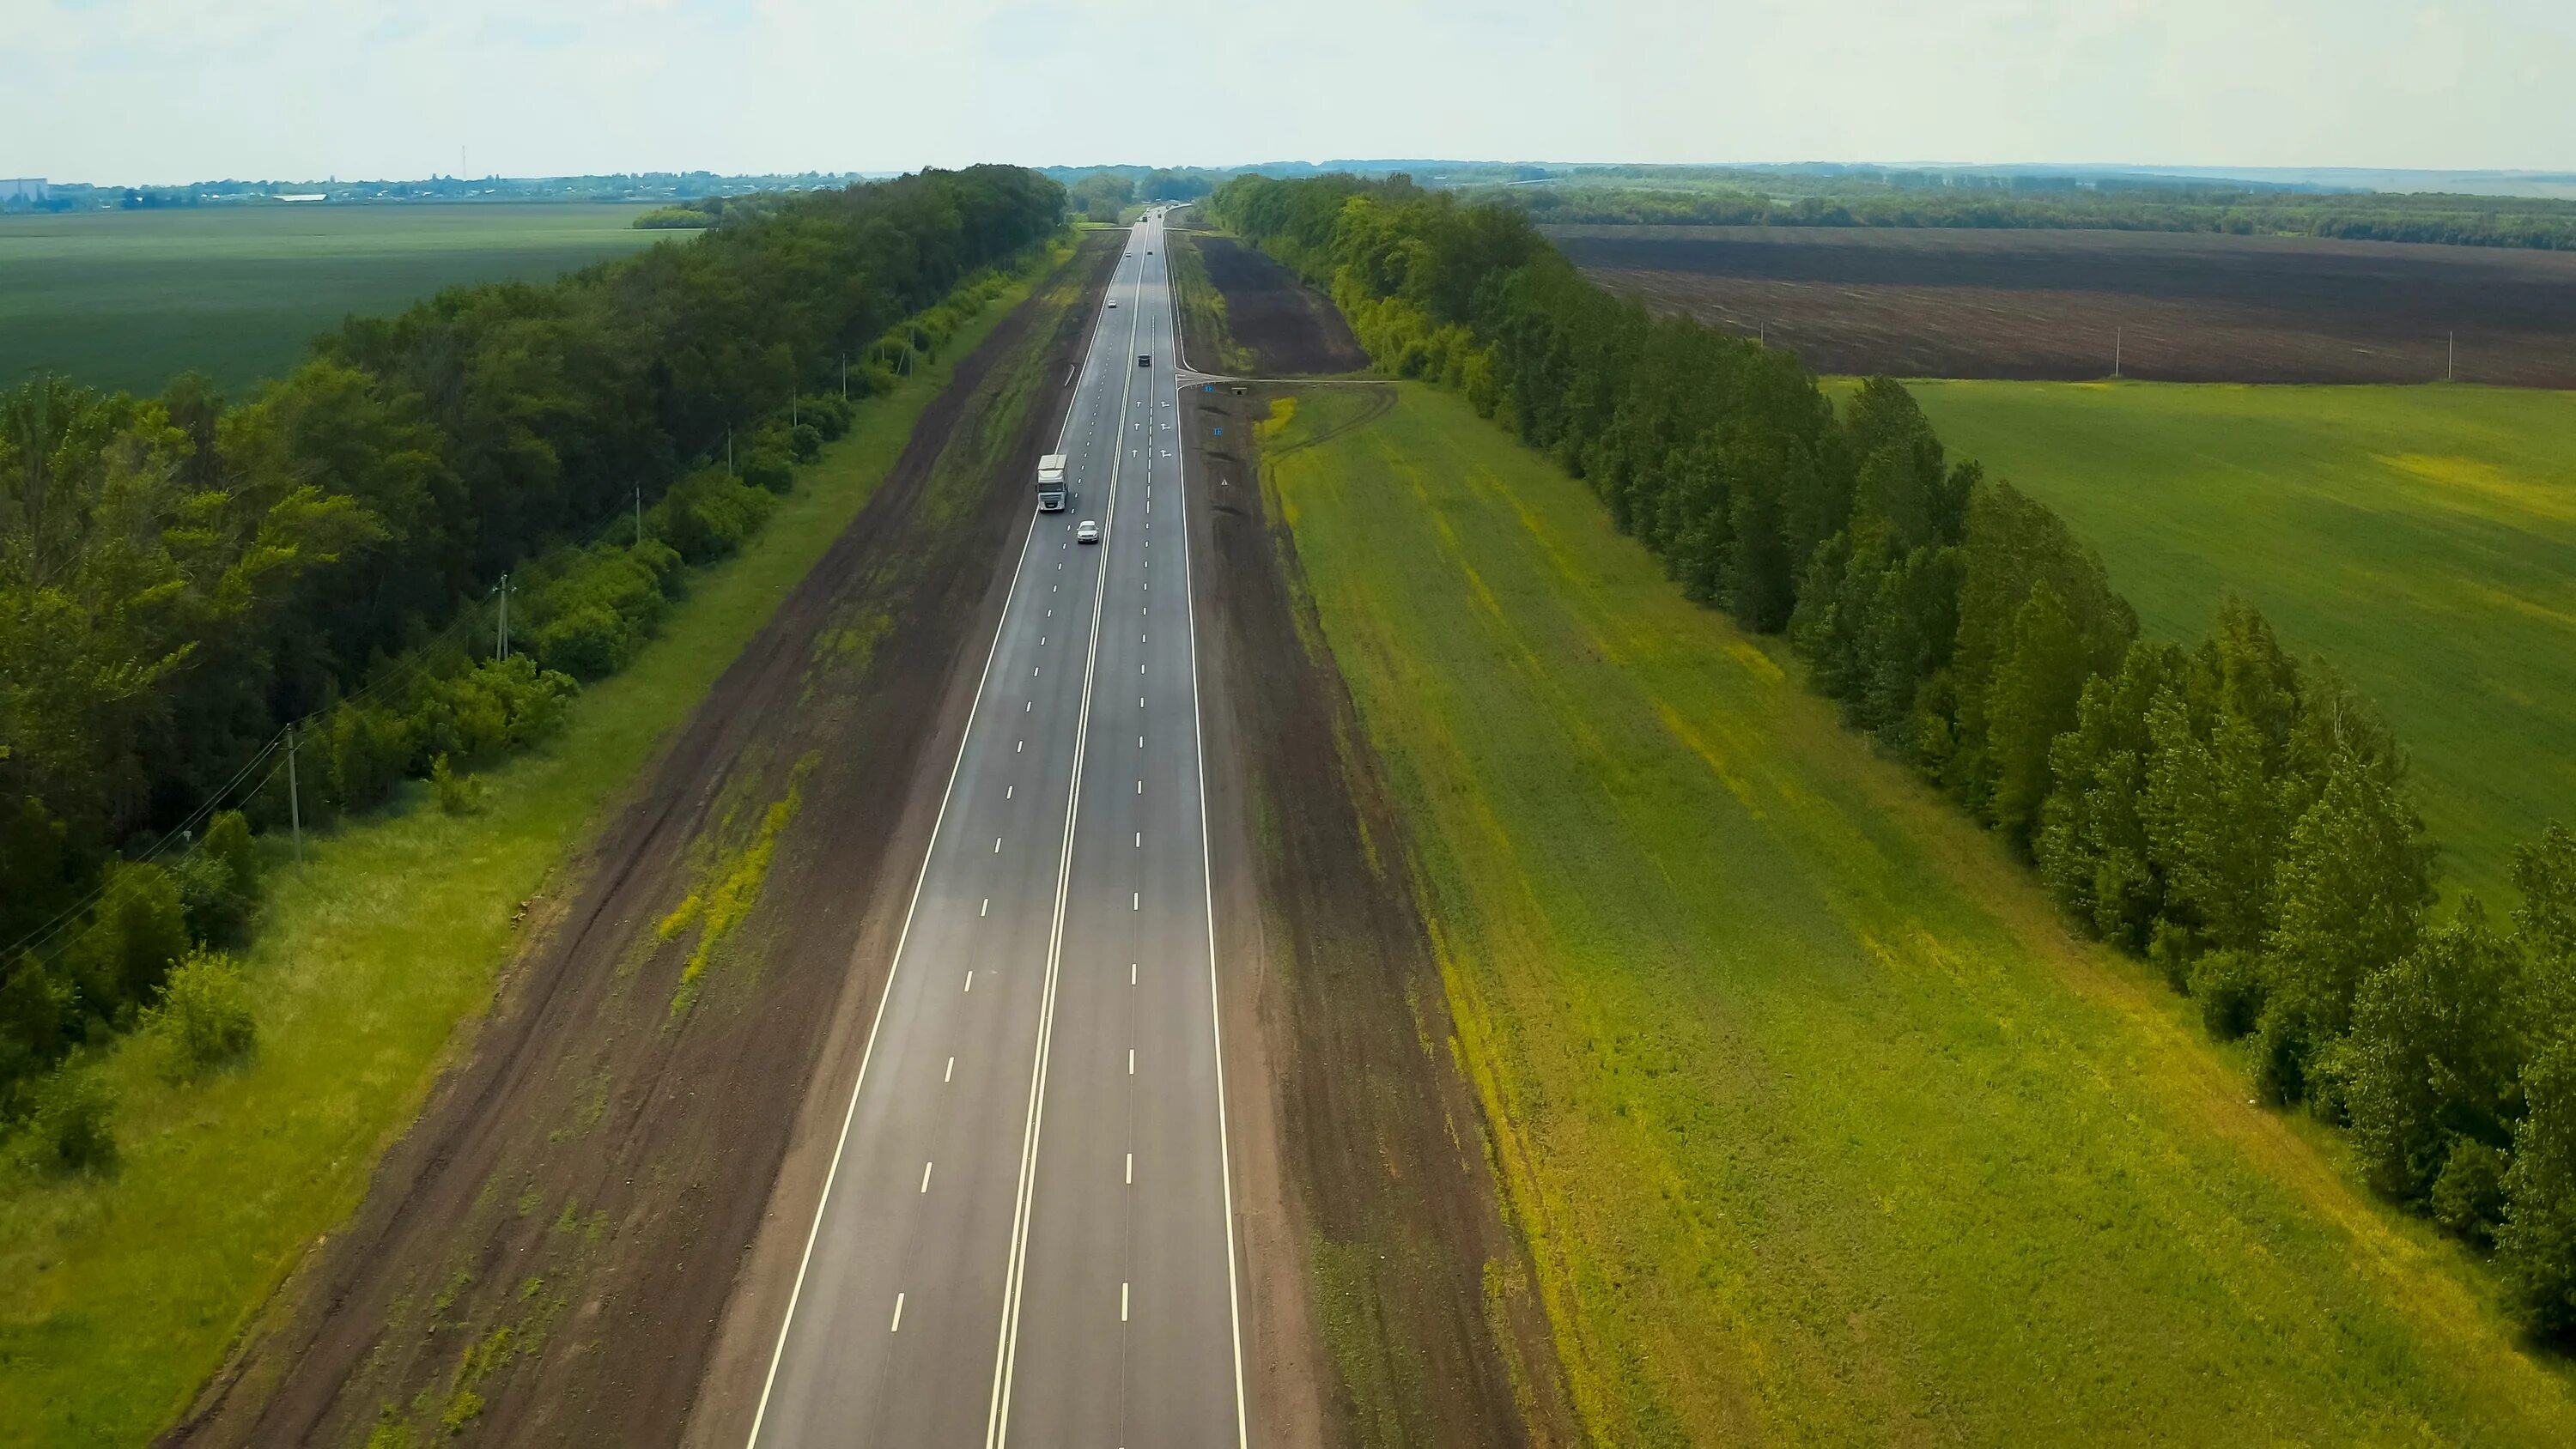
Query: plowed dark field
{"points": [[1290, 329], [2055, 304]]}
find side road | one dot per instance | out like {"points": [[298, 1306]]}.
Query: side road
{"points": [[546, 1256]]}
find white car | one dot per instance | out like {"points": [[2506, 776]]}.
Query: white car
{"points": [[1086, 532], [1113, 301]]}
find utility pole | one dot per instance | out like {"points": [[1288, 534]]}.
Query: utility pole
{"points": [[2451, 358], [845, 377], [501, 626], [2116, 338], [728, 452], [639, 515], [294, 799]]}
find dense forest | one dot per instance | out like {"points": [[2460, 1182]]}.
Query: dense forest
{"points": [[1100, 194], [190, 586], [2232, 814], [2491, 221]]}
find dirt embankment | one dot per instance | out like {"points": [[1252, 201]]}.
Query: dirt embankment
{"points": [[1284, 327], [544, 1258], [2175, 307], [1390, 1257]]}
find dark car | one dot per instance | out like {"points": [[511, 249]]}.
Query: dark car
{"points": [[1144, 359]]}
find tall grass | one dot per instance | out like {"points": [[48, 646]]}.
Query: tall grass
{"points": [[1820, 1128]]}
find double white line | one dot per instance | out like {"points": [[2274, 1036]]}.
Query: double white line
{"points": [[840, 1146], [1006, 1350]]}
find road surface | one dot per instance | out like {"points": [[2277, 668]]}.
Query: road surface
{"points": [[1025, 1236]]}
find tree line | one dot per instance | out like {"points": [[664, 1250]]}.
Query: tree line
{"points": [[184, 577], [2232, 814], [1100, 194]]}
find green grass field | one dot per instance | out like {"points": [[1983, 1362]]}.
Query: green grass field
{"points": [[119, 1293], [2422, 539], [126, 299], [1821, 1129]]}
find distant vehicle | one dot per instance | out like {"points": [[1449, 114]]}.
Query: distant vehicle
{"points": [[1149, 251], [1086, 532], [1113, 301], [1144, 359], [1051, 483]]}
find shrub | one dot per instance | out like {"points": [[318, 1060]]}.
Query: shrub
{"points": [[364, 749], [597, 613], [2468, 1197], [805, 442], [2229, 987], [139, 928], [457, 794], [826, 413], [707, 515], [205, 1015], [769, 467], [36, 1023], [219, 881], [75, 1121], [492, 707]]}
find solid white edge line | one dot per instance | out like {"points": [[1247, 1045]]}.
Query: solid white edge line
{"points": [[1207, 883], [1028, 543], [1006, 1352], [966, 737]]}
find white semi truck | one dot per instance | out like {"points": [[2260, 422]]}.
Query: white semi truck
{"points": [[1051, 483]]}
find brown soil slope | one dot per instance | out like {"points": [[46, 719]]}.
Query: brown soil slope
{"points": [[1395, 1260], [2179, 307], [544, 1257], [1289, 329]]}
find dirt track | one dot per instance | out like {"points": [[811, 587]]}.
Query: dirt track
{"points": [[2053, 304], [545, 1256], [1393, 1256]]}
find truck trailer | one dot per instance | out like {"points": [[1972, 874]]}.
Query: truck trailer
{"points": [[1051, 483]]}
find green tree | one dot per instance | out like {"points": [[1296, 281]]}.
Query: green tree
{"points": [[2544, 871], [1100, 195], [2094, 848], [2436, 1048], [2353, 885], [2034, 698], [2536, 1244]]}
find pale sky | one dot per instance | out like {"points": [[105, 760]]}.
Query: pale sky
{"points": [[165, 91]]}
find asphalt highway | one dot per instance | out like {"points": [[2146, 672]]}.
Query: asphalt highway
{"points": [[1026, 1234]]}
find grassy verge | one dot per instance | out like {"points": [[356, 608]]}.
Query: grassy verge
{"points": [[1820, 1128], [118, 1292], [2422, 538]]}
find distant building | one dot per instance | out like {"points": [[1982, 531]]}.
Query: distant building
{"points": [[23, 188], [303, 196]]}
